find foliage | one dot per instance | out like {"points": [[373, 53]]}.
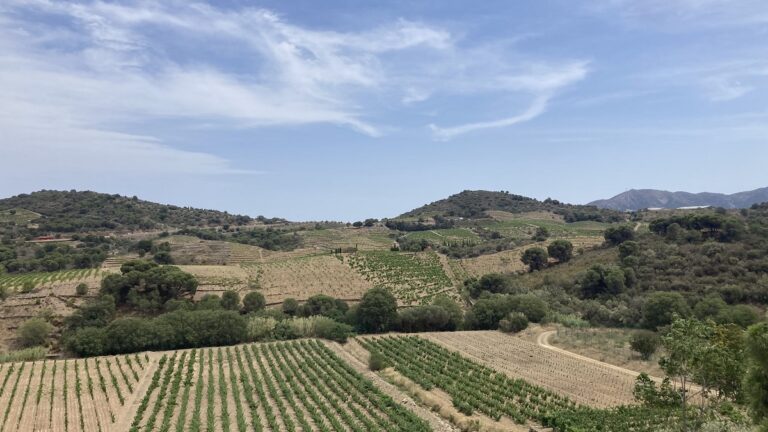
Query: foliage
{"points": [[290, 306], [254, 301], [660, 308], [561, 250], [268, 238], [377, 362], [535, 258], [24, 355], [34, 332], [486, 313], [377, 312], [513, 323], [619, 234], [644, 343], [324, 305], [146, 286], [756, 378], [602, 280], [81, 289], [541, 234], [425, 318], [230, 300]]}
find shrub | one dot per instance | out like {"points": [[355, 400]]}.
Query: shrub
{"points": [[535, 258], [230, 300], [34, 332], [26, 354], [561, 250], [513, 323], [377, 311], [618, 235], [644, 343], [260, 328], [424, 318], [254, 301], [660, 307], [27, 287], [377, 362], [81, 289], [290, 306], [87, 341]]}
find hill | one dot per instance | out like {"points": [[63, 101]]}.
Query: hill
{"points": [[636, 199], [475, 204], [78, 211]]}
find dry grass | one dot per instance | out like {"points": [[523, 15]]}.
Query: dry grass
{"points": [[606, 345]]}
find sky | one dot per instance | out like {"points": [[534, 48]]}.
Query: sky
{"points": [[342, 110]]}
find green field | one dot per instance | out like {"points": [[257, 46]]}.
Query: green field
{"points": [[19, 216], [442, 235], [524, 228], [18, 280], [412, 277]]}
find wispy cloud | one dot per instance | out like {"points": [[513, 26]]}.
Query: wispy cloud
{"points": [[541, 83], [680, 15]]}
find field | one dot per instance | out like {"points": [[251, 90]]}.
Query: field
{"points": [[445, 235], [299, 385], [475, 388], [412, 277], [606, 345], [303, 277], [69, 395], [16, 281], [509, 261], [584, 382], [525, 227], [18, 216], [373, 238]]}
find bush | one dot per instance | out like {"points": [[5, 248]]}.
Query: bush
{"points": [[644, 343], [230, 300], [254, 301], [561, 250], [34, 332], [377, 362], [618, 235], [23, 355], [27, 287], [513, 323], [535, 258], [290, 306], [261, 328], [425, 318], [377, 311], [87, 342], [660, 307], [81, 289]]}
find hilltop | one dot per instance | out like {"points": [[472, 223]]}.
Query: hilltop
{"points": [[636, 199], [475, 204], [78, 211]]}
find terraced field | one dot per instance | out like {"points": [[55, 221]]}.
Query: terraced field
{"points": [[412, 277], [373, 238], [288, 386], [303, 277], [509, 261], [16, 281], [502, 395]]}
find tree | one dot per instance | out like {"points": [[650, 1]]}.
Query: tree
{"points": [[495, 283], [618, 235], [377, 311], [541, 234], [357, 224], [230, 300], [756, 379], [535, 258], [81, 289], [290, 306], [644, 343], [561, 250], [513, 323], [254, 301], [602, 280], [163, 257], [324, 305], [34, 332], [660, 308]]}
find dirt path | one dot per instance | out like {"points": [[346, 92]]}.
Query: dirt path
{"points": [[543, 340], [346, 351]]}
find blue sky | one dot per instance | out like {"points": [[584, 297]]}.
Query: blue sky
{"points": [[367, 109]]}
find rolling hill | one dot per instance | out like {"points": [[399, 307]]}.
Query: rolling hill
{"points": [[475, 204], [636, 199]]}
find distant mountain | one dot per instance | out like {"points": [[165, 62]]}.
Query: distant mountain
{"points": [[474, 204], [73, 211], [636, 199]]}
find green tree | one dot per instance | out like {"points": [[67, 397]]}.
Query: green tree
{"points": [[756, 379], [541, 234], [660, 308], [34, 332], [81, 289], [254, 301], [230, 300], [644, 342], [561, 250], [377, 311], [513, 323], [290, 306], [535, 258], [618, 235], [602, 280]]}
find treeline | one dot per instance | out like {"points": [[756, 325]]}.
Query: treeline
{"points": [[85, 252], [267, 238], [81, 211], [405, 225]]}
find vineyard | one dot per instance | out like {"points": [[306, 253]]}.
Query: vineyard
{"points": [[38, 279], [303, 277], [290, 386], [475, 388], [68, 395], [412, 278], [588, 383], [374, 238]]}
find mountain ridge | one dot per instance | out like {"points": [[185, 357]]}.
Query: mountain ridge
{"points": [[636, 199]]}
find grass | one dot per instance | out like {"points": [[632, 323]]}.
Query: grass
{"points": [[18, 216], [524, 228]]}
